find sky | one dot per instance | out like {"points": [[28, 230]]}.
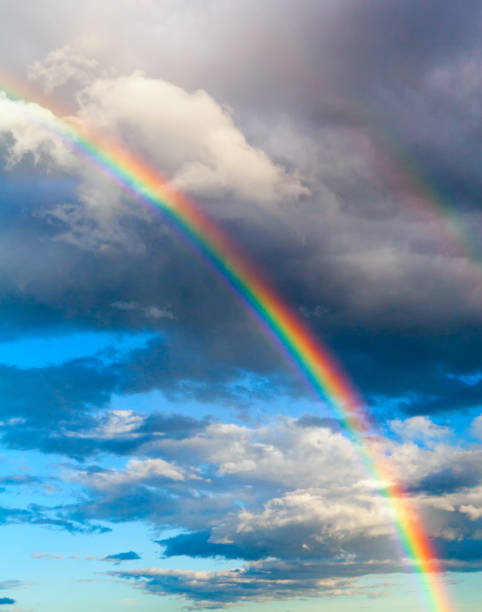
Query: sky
{"points": [[158, 448]]}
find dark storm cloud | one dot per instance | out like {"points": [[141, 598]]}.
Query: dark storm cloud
{"points": [[401, 40], [218, 340], [320, 262], [389, 38], [6, 601]]}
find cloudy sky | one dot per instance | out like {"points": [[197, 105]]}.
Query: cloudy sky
{"points": [[158, 450]]}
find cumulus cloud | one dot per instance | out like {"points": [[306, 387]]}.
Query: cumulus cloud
{"points": [[186, 135], [264, 454], [28, 128], [245, 493], [270, 508], [419, 428], [136, 471], [61, 66]]}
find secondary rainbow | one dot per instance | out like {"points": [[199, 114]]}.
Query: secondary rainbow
{"points": [[429, 202], [318, 365]]}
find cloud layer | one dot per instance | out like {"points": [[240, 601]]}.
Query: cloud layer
{"points": [[339, 144]]}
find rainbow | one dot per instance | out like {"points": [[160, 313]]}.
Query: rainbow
{"points": [[315, 361], [428, 201]]}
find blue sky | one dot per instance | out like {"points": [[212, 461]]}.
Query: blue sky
{"points": [[157, 448]]}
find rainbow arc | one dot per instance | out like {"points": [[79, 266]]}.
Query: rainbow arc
{"points": [[315, 361]]}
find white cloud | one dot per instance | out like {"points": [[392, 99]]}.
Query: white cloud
{"points": [[471, 511], [121, 422], [327, 515], [309, 481], [277, 455], [188, 136], [137, 471], [296, 493], [61, 66], [419, 428], [29, 129]]}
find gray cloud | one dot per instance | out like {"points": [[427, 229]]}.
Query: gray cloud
{"points": [[355, 250], [253, 583]]}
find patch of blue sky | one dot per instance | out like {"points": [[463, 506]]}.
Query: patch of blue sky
{"points": [[48, 479], [42, 351], [67, 568], [20, 187], [54, 561], [48, 493], [19, 489], [28, 463], [458, 423], [38, 547]]}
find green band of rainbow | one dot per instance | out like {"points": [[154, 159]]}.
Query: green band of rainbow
{"points": [[315, 361]]}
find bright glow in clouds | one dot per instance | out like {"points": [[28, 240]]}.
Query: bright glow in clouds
{"points": [[188, 136]]}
